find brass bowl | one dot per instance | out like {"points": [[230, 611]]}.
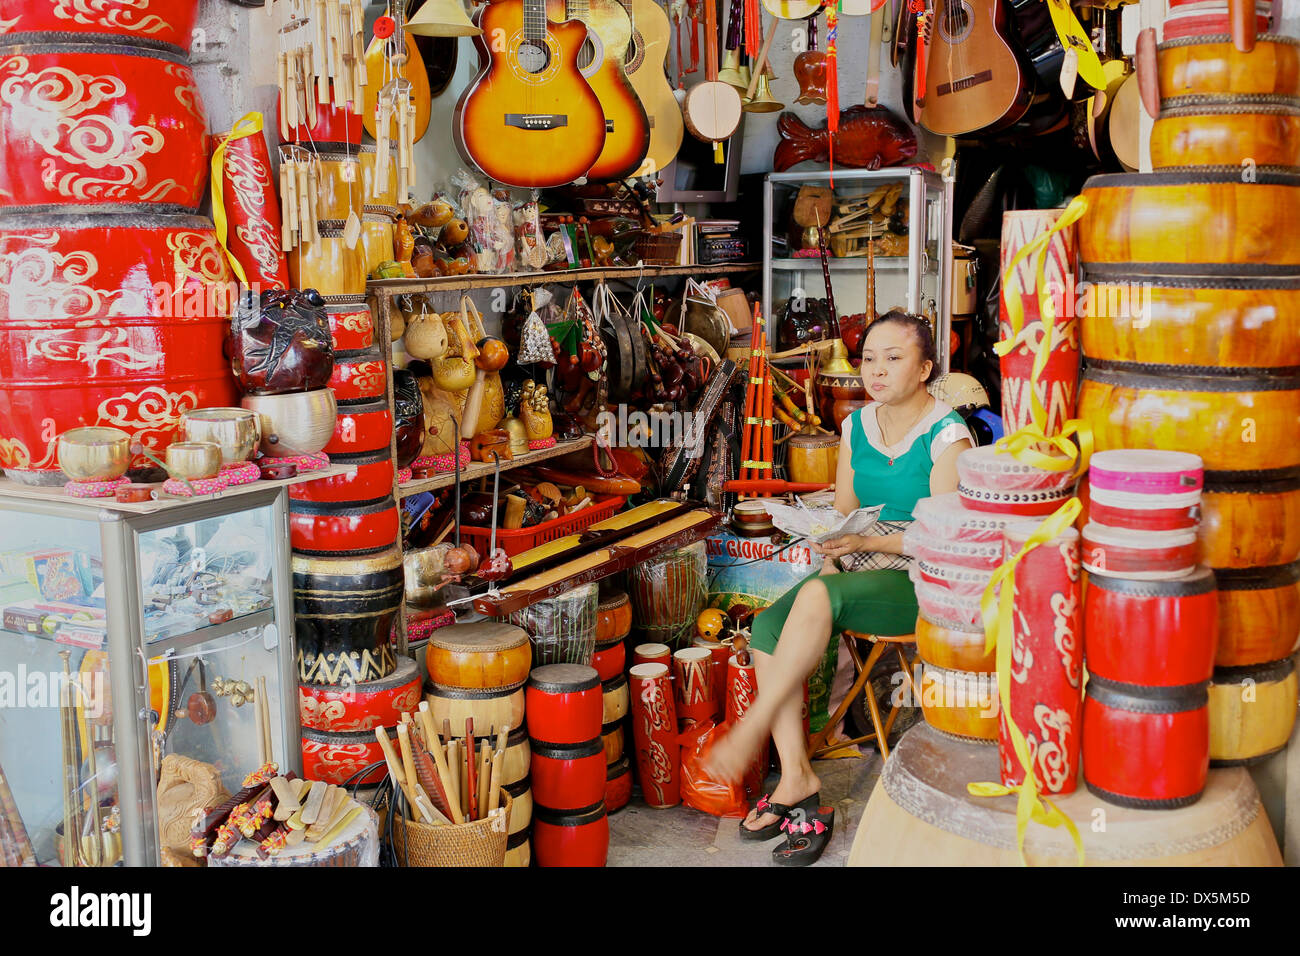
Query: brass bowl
{"points": [[95, 453], [300, 423], [235, 430], [193, 460]]}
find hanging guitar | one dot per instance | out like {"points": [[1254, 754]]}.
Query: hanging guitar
{"points": [[530, 118], [396, 59], [646, 69]]}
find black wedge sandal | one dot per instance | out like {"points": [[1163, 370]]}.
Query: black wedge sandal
{"points": [[807, 835], [773, 830]]}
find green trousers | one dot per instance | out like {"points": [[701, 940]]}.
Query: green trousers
{"points": [[873, 602]]}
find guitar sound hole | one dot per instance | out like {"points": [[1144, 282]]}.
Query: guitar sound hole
{"points": [[955, 23], [533, 57]]}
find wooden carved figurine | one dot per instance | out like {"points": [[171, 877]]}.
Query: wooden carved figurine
{"points": [[535, 410]]}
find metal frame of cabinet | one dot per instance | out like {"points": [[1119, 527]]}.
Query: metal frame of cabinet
{"points": [[119, 543]]}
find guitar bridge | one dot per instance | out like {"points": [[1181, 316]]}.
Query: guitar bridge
{"points": [[538, 121]]}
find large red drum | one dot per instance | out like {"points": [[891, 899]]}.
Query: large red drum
{"points": [[568, 778], [336, 128], [1046, 697], [654, 732], [333, 529], [99, 123], [371, 479], [107, 320], [169, 22], [363, 427], [360, 376], [1152, 633], [364, 706], [564, 706], [571, 839], [609, 660], [338, 758], [1150, 751]]}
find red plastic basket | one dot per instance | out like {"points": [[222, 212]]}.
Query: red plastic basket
{"points": [[519, 540]]}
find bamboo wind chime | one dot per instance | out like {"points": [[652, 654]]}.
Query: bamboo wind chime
{"points": [[321, 60], [396, 105], [299, 170]]}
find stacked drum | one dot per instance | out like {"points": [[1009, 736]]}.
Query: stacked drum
{"points": [[613, 624], [1190, 344], [566, 706], [1151, 618], [114, 294]]}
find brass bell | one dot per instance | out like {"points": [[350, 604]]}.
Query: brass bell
{"points": [[763, 101], [730, 71], [442, 18]]}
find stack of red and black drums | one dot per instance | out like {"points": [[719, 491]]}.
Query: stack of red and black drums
{"points": [[477, 673], [114, 294], [1190, 344], [613, 624], [1151, 619], [566, 707]]}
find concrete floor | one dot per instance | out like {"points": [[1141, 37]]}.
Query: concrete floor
{"points": [[680, 836]]}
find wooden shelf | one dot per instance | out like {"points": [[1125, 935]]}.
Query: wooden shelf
{"points": [[481, 469], [387, 287]]}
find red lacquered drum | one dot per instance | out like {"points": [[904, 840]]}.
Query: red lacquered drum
{"points": [[361, 428], [994, 481], [1144, 555], [373, 478], [169, 22], [693, 673], [652, 654], [252, 211], [100, 122], [953, 648], [609, 660], [359, 376], [947, 518], [931, 550], [615, 699], [335, 130], [568, 778], [564, 706], [338, 757], [570, 839], [1259, 614], [742, 691], [352, 327], [654, 732], [1152, 633], [481, 654], [365, 706], [613, 618], [720, 654], [1151, 751], [84, 339], [331, 529], [1208, 19], [618, 785], [1145, 490]]}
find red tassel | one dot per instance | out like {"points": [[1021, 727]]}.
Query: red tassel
{"points": [[832, 82], [753, 27]]}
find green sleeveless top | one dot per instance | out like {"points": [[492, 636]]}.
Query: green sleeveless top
{"points": [[898, 476]]}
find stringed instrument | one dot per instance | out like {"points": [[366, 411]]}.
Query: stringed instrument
{"points": [[530, 118], [382, 68], [973, 80], [792, 9], [712, 110], [627, 128], [646, 69]]}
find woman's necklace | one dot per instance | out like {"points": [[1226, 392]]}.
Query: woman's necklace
{"points": [[910, 425]]}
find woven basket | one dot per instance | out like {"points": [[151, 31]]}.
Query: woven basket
{"points": [[481, 843], [658, 248]]}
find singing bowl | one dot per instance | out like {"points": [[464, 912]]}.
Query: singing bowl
{"points": [[94, 454], [387, 190], [333, 529], [1252, 524], [1252, 712], [1230, 133], [1229, 322], [1227, 420], [101, 123], [327, 264], [482, 654], [338, 185], [233, 430], [352, 327], [193, 460], [1212, 65], [961, 703], [1157, 222], [952, 649], [364, 706], [490, 707], [359, 376], [300, 423], [371, 478], [1259, 614], [359, 428], [343, 612]]}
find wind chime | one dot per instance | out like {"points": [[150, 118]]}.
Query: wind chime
{"points": [[298, 174], [321, 60], [395, 106]]}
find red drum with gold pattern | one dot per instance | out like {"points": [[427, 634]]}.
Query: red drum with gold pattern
{"points": [[371, 479], [338, 757], [742, 691], [169, 22], [107, 320], [85, 124], [351, 324], [365, 706], [361, 428], [654, 731], [359, 376]]}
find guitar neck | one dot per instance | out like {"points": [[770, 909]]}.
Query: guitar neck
{"points": [[711, 40], [535, 20]]}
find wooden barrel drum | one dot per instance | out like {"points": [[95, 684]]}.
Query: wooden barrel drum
{"points": [[327, 264], [343, 614], [1211, 65], [963, 704], [1227, 132], [812, 457], [479, 655], [1259, 614], [489, 707], [1252, 712]]}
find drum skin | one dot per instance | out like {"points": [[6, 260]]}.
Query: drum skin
{"points": [[336, 529], [962, 703], [1259, 614], [952, 649], [1214, 417], [1151, 633], [343, 615], [337, 757], [1212, 65], [1247, 727], [169, 22], [98, 123], [571, 839], [568, 778], [1150, 752], [480, 655], [108, 320], [1199, 137], [1224, 322], [564, 706], [1250, 525], [352, 326], [364, 427], [1191, 218], [365, 706], [371, 479]]}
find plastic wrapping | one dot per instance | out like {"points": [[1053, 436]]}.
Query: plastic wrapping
{"points": [[960, 580], [491, 230], [986, 467], [938, 550], [531, 249], [948, 608], [562, 629], [357, 845], [699, 790], [667, 594], [947, 517]]}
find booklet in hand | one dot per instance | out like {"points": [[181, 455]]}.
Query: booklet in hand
{"points": [[821, 524]]}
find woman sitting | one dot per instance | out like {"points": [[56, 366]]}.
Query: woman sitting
{"points": [[899, 448]]}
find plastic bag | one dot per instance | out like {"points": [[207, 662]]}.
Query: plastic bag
{"points": [[699, 790]]}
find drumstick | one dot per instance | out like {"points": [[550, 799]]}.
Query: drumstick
{"points": [[484, 776], [494, 789], [471, 777], [434, 746], [453, 765], [264, 702]]}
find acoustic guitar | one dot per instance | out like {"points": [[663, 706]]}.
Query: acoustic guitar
{"points": [[792, 9], [380, 71], [627, 128], [973, 78], [646, 68], [530, 118]]}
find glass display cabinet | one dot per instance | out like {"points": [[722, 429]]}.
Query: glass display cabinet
{"points": [[130, 633], [906, 213]]}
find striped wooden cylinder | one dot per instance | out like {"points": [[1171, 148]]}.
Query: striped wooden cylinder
{"points": [[1252, 712]]}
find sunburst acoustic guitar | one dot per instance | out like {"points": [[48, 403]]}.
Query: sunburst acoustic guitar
{"points": [[646, 67], [530, 118], [627, 128]]}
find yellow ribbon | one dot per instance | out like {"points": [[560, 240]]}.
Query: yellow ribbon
{"points": [[998, 631], [248, 125], [1074, 37]]}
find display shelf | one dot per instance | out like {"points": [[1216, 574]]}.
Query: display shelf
{"points": [[182, 640], [512, 280], [844, 264], [480, 469]]}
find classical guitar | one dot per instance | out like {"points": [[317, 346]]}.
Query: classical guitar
{"points": [[396, 59], [530, 118], [627, 128], [973, 79], [646, 68]]}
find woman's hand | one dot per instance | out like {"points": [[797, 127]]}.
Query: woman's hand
{"points": [[844, 544]]}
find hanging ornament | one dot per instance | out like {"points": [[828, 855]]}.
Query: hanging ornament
{"points": [[832, 82]]}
